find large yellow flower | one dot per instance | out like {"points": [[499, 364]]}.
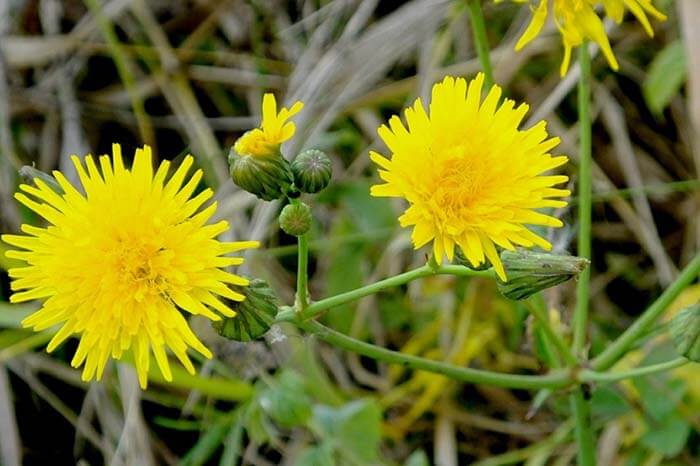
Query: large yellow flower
{"points": [[577, 21], [117, 264], [274, 129], [470, 176]]}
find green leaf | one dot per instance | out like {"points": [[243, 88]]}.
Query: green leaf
{"points": [[233, 443], [607, 403], [344, 274], [667, 73], [667, 437], [355, 428], [287, 402], [320, 455], [208, 443], [685, 328], [257, 425], [417, 458], [659, 395]]}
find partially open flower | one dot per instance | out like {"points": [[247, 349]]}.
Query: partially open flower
{"points": [[255, 161]]}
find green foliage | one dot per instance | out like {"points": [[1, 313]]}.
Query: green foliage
{"points": [[667, 73], [685, 328], [286, 401], [353, 429]]}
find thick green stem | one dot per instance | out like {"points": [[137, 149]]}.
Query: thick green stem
{"points": [[481, 41], [585, 447], [580, 318], [555, 379], [619, 347], [318, 307], [606, 377], [579, 405], [302, 298]]}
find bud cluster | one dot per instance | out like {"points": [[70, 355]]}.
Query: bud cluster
{"points": [[270, 176]]}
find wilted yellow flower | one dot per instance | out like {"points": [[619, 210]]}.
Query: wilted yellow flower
{"points": [[117, 264], [470, 176], [273, 131], [577, 21]]}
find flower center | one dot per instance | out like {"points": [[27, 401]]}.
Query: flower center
{"points": [[139, 267]]}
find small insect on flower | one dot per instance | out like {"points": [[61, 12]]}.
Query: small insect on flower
{"points": [[118, 263], [471, 178], [577, 21]]}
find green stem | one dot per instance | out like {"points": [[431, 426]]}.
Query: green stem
{"points": [[619, 347], [545, 324], [318, 307], [580, 318], [302, 300], [584, 435], [481, 41], [555, 379], [592, 376]]}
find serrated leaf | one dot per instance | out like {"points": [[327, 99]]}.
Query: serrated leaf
{"points": [[667, 73]]}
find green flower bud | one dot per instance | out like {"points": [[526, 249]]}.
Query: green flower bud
{"points": [[295, 219], [529, 272], [267, 176], [312, 171], [254, 316], [685, 328]]}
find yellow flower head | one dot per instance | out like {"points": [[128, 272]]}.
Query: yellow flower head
{"points": [[273, 131], [577, 21], [470, 176], [117, 264]]}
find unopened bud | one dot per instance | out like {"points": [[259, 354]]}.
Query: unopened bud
{"points": [[254, 315], [267, 176], [530, 272], [685, 328], [295, 219], [312, 171]]}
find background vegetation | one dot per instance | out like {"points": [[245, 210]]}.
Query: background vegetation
{"points": [[188, 76]]}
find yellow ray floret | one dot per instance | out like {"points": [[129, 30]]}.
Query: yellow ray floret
{"points": [[274, 129], [577, 20], [471, 178], [117, 263]]}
